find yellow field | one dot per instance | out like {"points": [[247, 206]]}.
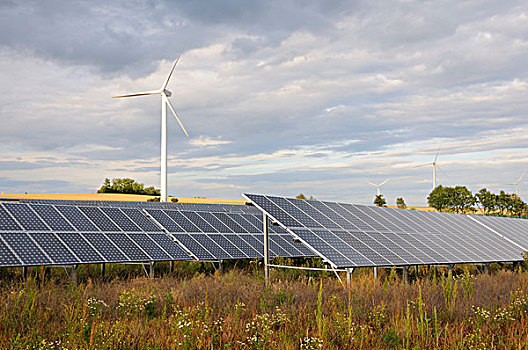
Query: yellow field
{"points": [[118, 197]]}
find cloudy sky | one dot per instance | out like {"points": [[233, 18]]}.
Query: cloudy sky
{"points": [[278, 97]]}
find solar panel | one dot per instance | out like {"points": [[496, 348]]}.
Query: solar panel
{"points": [[54, 248], [26, 217], [7, 257], [24, 247], [81, 248], [52, 217], [348, 235], [76, 218], [121, 220], [99, 219], [73, 232], [7, 223]]}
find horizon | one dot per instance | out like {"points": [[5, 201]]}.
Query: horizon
{"points": [[278, 98]]}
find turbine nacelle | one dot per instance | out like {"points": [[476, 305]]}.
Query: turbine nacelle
{"points": [[167, 93]]}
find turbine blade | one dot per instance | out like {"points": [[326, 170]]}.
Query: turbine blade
{"points": [[164, 86], [372, 183], [143, 93], [443, 172], [174, 112], [422, 165], [384, 182], [436, 156], [519, 181]]}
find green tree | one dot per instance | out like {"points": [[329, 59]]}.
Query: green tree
{"points": [[462, 200], [302, 196], [516, 205], [127, 185], [438, 198], [380, 201], [487, 201], [400, 203], [503, 202], [456, 199]]}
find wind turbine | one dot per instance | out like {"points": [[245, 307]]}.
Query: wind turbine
{"points": [[378, 186], [434, 164], [516, 184], [165, 94]]}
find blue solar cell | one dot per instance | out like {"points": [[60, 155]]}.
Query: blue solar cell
{"points": [[26, 217], [7, 223], [77, 218], [199, 251], [52, 217], [121, 220], [7, 258], [212, 246], [185, 224], [170, 246], [128, 247], [99, 219], [55, 249], [165, 221], [242, 245], [82, 249], [198, 221], [105, 247], [26, 249], [154, 251], [141, 220]]}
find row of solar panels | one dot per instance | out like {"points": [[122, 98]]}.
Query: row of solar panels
{"points": [[347, 235], [64, 233], [213, 208]]}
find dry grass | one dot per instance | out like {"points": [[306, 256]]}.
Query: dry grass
{"points": [[235, 311]]}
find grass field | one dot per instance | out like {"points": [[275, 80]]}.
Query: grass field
{"points": [[196, 308]]}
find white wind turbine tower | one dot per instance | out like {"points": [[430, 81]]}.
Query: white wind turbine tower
{"points": [[434, 164], [378, 186], [517, 184], [165, 94]]}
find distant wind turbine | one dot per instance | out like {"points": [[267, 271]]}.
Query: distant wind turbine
{"points": [[435, 165], [378, 186], [165, 94], [517, 184]]}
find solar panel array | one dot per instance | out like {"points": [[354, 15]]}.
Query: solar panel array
{"points": [[74, 232], [347, 235], [512, 229]]}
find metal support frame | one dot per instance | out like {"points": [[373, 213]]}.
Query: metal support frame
{"points": [[103, 269], [74, 274], [405, 274], [221, 266], [24, 272], [171, 266], [151, 270], [349, 276], [485, 268], [266, 248], [375, 272]]}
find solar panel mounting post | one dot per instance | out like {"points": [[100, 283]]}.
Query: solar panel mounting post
{"points": [[103, 268], [24, 272], [266, 248], [375, 272], [349, 276]]}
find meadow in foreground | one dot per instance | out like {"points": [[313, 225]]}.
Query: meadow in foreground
{"points": [[233, 310]]}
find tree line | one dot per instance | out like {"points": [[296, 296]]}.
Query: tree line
{"points": [[128, 186], [460, 199]]}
